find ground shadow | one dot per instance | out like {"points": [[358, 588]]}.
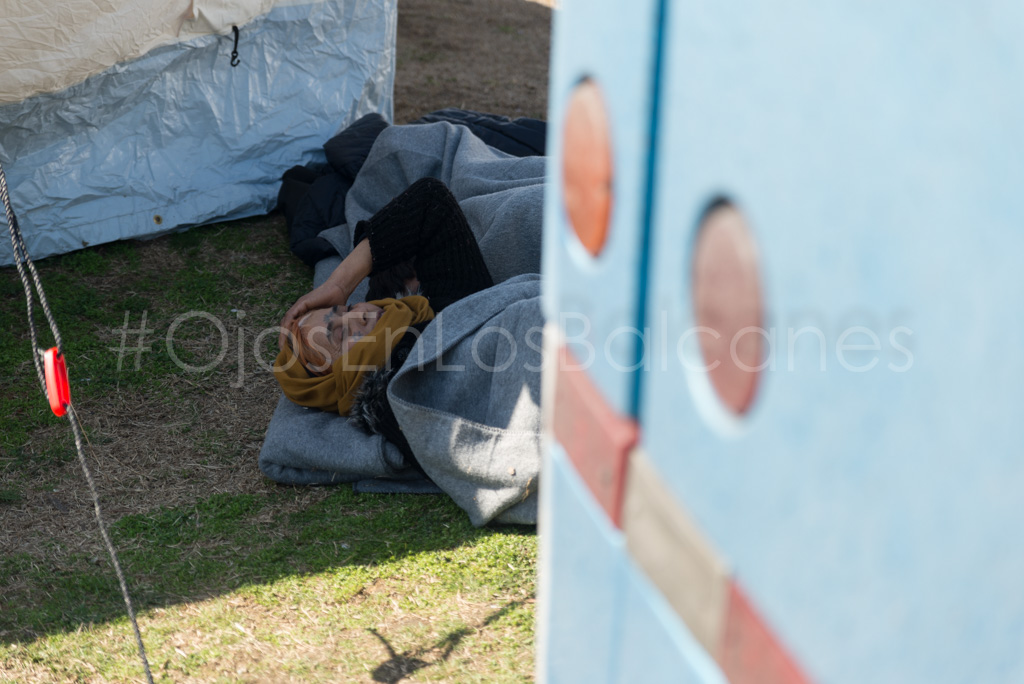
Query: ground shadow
{"points": [[400, 665], [192, 553]]}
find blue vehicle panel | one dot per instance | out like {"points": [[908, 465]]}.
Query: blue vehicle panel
{"points": [[858, 523], [594, 297], [582, 576], [868, 500], [654, 645]]}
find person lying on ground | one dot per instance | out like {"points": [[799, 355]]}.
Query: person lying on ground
{"points": [[329, 348], [466, 403]]}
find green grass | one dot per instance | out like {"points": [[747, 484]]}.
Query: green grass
{"points": [[222, 544], [241, 548], [270, 584], [91, 291]]}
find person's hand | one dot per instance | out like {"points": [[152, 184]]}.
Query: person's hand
{"points": [[335, 291], [327, 295]]}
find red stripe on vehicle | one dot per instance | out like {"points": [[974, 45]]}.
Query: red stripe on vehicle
{"points": [[750, 653], [597, 439]]}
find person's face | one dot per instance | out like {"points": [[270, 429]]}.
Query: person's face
{"points": [[333, 331]]}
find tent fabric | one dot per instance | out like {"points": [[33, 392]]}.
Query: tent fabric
{"points": [[46, 47], [177, 137]]}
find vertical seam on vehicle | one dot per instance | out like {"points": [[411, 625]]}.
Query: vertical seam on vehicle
{"points": [[646, 227]]}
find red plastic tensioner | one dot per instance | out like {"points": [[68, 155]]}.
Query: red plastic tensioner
{"points": [[57, 389]]}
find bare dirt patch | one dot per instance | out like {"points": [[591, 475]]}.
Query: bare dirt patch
{"points": [[484, 55]]}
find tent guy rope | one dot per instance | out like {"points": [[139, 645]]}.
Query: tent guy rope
{"points": [[52, 376]]}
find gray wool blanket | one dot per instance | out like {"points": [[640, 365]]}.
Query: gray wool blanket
{"points": [[502, 196], [475, 430], [468, 401]]}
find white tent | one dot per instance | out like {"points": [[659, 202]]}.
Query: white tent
{"points": [[126, 118]]}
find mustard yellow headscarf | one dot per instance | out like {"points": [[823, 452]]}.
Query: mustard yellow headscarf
{"points": [[337, 390]]}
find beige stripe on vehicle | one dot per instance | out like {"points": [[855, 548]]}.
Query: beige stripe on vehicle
{"points": [[666, 543]]}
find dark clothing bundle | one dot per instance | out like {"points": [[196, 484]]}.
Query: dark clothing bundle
{"points": [[520, 137], [313, 197], [425, 225]]}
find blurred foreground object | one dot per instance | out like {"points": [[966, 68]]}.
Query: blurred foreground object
{"points": [[784, 393]]}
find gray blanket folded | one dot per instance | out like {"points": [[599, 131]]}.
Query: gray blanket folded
{"points": [[310, 447], [468, 401]]}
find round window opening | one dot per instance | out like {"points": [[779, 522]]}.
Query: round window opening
{"points": [[728, 306], [587, 166]]}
